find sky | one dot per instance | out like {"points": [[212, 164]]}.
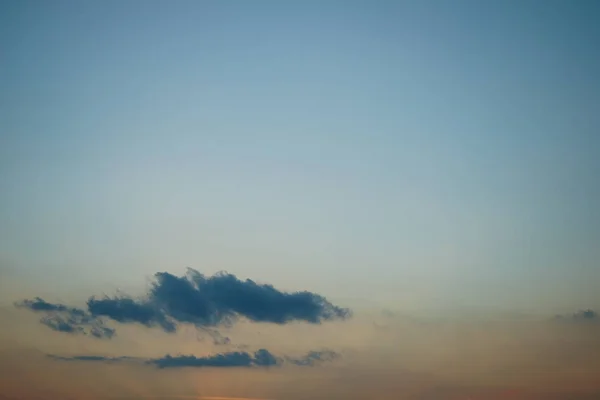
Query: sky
{"points": [[417, 152], [416, 157]]}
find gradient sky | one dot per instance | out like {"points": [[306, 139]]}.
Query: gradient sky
{"points": [[417, 154]]}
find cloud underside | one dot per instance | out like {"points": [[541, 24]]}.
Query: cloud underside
{"points": [[260, 358], [195, 299]]}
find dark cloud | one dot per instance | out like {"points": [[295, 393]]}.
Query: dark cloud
{"points": [[62, 318], [261, 358], [235, 359], [314, 357], [38, 304], [220, 299], [60, 323], [127, 310], [588, 315], [205, 302], [264, 358]]}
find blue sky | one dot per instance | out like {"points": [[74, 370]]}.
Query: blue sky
{"points": [[415, 154]]}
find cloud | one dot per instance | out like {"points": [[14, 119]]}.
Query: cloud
{"points": [[62, 318], [39, 304], [314, 357], [194, 298], [233, 359], [217, 338], [588, 315], [127, 310], [220, 299], [92, 358], [260, 358], [264, 358]]}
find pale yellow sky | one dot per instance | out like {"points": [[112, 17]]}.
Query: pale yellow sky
{"points": [[396, 357]]}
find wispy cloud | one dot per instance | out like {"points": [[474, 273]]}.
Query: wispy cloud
{"points": [[587, 315], [260, 358], [195, 299], [62, 318], [314, 357], [93, 358]]}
